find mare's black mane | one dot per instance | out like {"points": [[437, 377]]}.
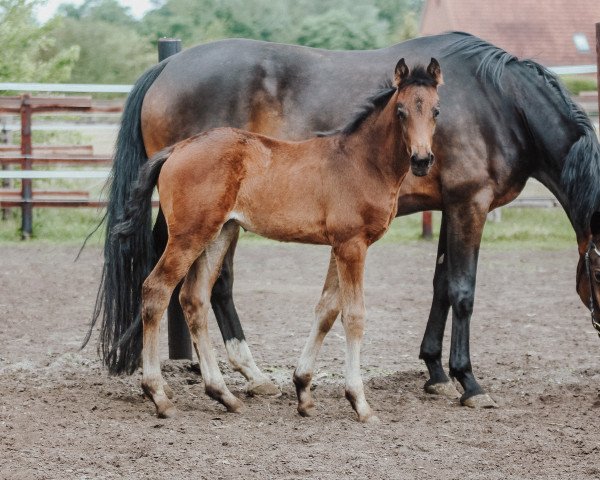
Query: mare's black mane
{"points": [[580, 176]]}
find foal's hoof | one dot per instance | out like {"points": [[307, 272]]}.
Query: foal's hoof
{"points": [[168, 411], [447, 389], [371, 419], [482, 400], [307, 410], [265, 388], [234, 405]]}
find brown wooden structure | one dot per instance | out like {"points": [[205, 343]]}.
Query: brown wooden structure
{"points": [[26, 106]]}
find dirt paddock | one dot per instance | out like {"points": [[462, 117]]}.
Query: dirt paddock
{"points": [[533, 348]]}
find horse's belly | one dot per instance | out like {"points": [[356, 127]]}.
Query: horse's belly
{"points": [[282, 226]]}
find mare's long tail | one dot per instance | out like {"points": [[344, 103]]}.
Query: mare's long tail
{"points": [[126, 264]]}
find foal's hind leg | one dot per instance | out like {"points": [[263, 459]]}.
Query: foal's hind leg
{"points": [[326, 312], [156, 292], [195, 300]]}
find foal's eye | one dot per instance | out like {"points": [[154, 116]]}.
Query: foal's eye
{"points": [[597, 277], [436, 112], [402, 112]]}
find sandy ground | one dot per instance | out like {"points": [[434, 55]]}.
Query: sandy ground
{"points": [[533, 349]]}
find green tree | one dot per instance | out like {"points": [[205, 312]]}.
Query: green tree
{"points": [[192, 21], [108, 11], [402, 17], [338, 24], [111, 49], [344, 29], [29, 52]]}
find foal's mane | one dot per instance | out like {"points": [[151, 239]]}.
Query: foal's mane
{"points": [[580, 176], [374, 102], [418, 77]]}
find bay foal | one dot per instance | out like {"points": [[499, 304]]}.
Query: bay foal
{"points": [[340, 189]]}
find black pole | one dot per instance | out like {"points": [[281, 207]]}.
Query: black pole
{"points": [[180, 343], [168, 47], [26, 164]]}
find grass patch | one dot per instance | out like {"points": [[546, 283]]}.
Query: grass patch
{"points": [[534, 228], [55, 225], [578, 84]]}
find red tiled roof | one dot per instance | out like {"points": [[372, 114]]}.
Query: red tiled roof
{"points": [[541, 30]]}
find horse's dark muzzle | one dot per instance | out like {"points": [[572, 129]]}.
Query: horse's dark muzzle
{"points": [[420, 166]]}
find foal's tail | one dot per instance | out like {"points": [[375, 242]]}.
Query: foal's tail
{"points": [[139, 205], [125, 264]]}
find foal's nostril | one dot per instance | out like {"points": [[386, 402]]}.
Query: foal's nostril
{"points": [[431, 158], [414, 158]]}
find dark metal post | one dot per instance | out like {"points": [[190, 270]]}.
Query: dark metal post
{"points": [[168, 47], [26, 164], [427, 226], [180, 343]]}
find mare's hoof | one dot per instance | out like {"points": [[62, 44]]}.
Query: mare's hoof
{"points": [[447, 389], [482, 400], [265, 388]]}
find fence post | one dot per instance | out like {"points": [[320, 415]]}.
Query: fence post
{"points": [[26, 164], [180, 343], [168, 47], [4, 139], [427, 231]]}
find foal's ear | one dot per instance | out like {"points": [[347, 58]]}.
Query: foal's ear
{"points": [[595, 223], [435, 71], [401, 72]]}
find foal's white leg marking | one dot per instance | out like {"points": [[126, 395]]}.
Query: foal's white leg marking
{"points": [[326, 312], [156, 291], [153, 382], [195, 300], [242, 361], [351, 263]]}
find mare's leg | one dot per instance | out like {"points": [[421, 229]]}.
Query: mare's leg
{"points": [[157, 289], [326, 312], [465, 226], [195, 300], [350, 258], [431, 346], [238, 352]]}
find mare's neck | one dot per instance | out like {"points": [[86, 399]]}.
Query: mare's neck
{"points": [[554, 133]]}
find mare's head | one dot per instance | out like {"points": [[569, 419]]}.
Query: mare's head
{"points": [[417, 107], [588, 272]]}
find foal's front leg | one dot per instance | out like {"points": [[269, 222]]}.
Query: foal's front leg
{"points": [[350, 259], [326, 312]]}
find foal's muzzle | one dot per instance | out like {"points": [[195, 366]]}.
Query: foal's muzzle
{"points": [[420, 165]]}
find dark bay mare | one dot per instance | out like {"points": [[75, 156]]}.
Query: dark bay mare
{"points": [[502, 121], [339, 190]]}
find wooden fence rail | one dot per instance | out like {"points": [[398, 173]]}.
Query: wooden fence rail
{"points": [[26, 106]]}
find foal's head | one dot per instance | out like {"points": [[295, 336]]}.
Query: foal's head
{"points": [[417, 107]]}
